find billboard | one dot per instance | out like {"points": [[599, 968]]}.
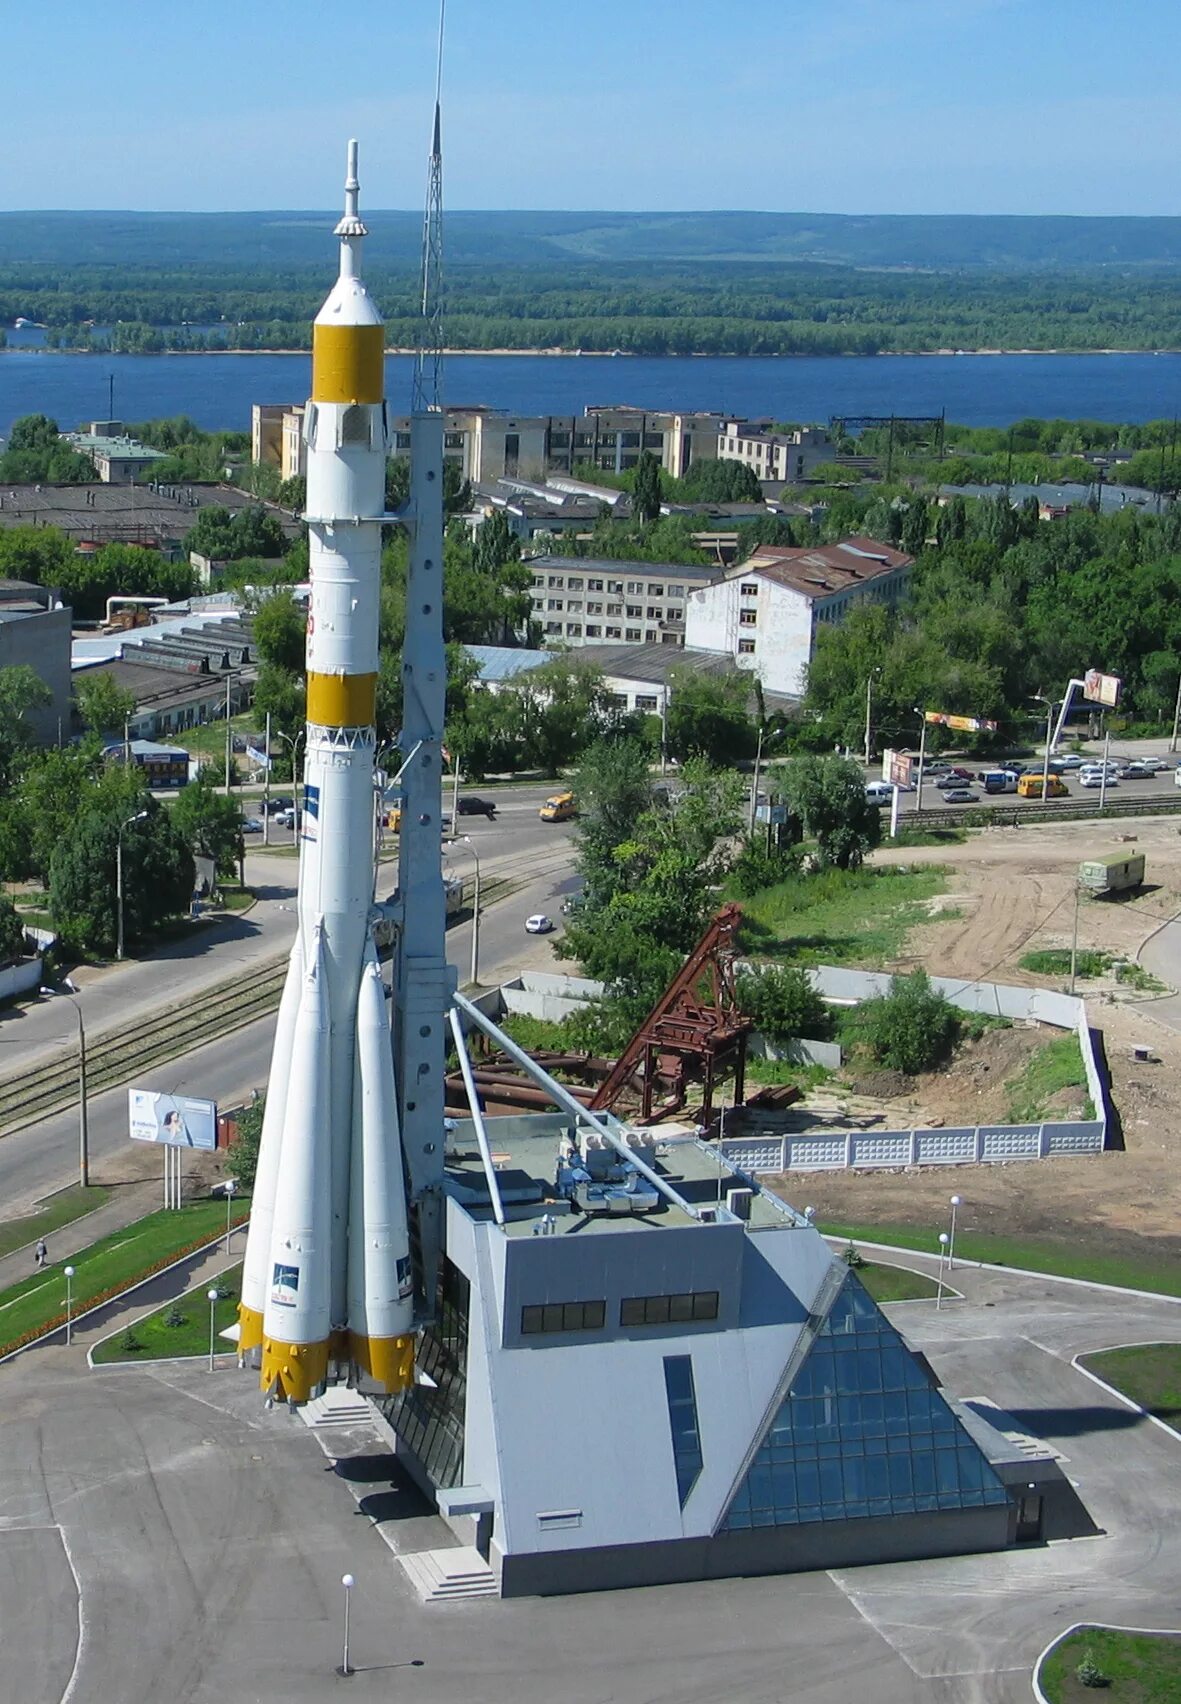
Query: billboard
{"points": [[965, 724], [174, 1121], [1101, 688], [898, 768]]}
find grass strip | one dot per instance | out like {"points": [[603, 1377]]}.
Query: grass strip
{"points": [[54, 1214], [1149, 1373], [860, 917], [179, 1328], [107, 1267], [1133, 1668], [1062, 1258], [895, 1283]]}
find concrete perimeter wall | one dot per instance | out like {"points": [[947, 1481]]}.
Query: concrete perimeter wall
{"points": [[19, 978], [838, 1149]]}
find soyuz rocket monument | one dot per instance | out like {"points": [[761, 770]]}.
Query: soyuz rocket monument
{"points": [[328, 1288]]}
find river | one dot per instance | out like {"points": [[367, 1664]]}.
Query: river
{"points": [[976, 390]]}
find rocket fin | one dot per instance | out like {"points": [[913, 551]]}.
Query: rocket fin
{"points": [[256, 1266], [297, 1310], [381, 1305]]}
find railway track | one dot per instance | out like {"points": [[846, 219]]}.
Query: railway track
{"points": [[114, 1057], [1049, 810]]}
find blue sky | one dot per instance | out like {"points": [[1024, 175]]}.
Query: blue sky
{"points": [[880, 106]]}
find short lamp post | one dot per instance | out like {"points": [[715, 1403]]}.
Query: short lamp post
{"points": [[138, 817], [294, 741], [475, 969], [69, 1272], [348, 1583], [229, 1186], [943, 1241], [211, 1296], [956, 1202]]}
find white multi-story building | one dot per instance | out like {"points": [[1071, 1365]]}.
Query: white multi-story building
{"points": [[766, 613], [778, 458], [584, 600]]}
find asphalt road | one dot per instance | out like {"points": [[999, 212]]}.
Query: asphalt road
{"points": [[535, 857], [163, 1536]]}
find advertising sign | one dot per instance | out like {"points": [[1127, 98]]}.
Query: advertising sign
{"points": [[1101, 688], [174, 1121], [965, 724], [901, 769]]}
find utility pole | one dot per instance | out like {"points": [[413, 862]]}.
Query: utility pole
{"points": [[229, 738], [266, 787], [1176, 716], [1074, 936], [918, 803]]}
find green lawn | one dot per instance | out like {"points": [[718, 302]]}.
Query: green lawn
{"points": [[1141, 1668], [52, 1215], [155, 1339], [231, 897], [1066, 1257], [859, 917], [107, 1267], [1056, 1065], [1150, 1373], [895, 1283], [1055, 961]]}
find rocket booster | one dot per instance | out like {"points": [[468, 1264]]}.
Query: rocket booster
{"points": [[326, 1279]]}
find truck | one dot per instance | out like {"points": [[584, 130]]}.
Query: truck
{"points": [[1112, 872]]}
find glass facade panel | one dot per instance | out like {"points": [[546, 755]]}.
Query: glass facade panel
{"points": [[682, 1419], [863, 1431], [429, 1418]]}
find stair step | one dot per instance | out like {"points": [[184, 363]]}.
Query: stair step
{"points": [[447, 1576], [337, 1407]]}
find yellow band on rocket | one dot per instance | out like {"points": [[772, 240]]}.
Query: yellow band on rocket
{"points": [[342, 701], [348, 363]]}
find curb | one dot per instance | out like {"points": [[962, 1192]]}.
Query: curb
{"points": [[1020, 1272], [1088, 1627], [1076, 1363], [76, 1319]]}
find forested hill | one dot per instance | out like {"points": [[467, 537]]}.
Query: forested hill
{"points": [[939, 242]]}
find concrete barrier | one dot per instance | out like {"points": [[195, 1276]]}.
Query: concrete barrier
{"points": [[19, 978]]}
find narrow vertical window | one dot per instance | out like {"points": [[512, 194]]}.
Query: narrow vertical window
{"points": [[682, 1419]]}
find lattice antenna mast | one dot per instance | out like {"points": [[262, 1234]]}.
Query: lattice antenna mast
{"points": [[428, 368]]}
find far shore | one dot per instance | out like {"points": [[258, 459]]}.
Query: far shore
{"points": [[598, 354]]}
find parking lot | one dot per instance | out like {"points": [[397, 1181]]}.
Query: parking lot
{"points": [[1127, 782]]}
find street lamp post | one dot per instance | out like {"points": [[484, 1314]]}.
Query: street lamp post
{"points": [[69, 1271], [211, 1297], [922, 716], [869, 680], [1049, 704], [475, 971], [230, 1186], [943, 1241], [956, 1201], [294, 741], [138, 817], [348, 1583]]}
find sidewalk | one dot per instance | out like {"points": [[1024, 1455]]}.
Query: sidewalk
{"points": [[125, 1204]]}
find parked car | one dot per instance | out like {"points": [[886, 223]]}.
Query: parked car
{"points": [[469, 805], [286, 818], [1137, 771], [879, 792], [272, 807], [960, 796], [252, 825], [1070, 760], [1094, 778], [538, 924]]}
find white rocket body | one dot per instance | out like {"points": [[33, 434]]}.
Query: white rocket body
{"points": [[326, 1277]]}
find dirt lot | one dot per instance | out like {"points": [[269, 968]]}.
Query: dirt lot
{"points": [[1013, 890]]}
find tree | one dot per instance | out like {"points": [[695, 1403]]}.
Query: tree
{"points": [[36, 451], [56, 786], [224, 537], [210, 823], [784, 1004], [102, 705], [280, 631], [721, 481], [21, 691], [613, 787], [828, 795], [242, 1154], [282, 696], [12, 932], [157, 873], [564, 707], [913, 1027], [708, 716], [647, 494], [42, 555]]}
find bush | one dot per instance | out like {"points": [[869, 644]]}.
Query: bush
{"points": [[757, 866], [911, 1028], [1089, 1672], [784, 1005], [175, 1319], [130, 1343]]}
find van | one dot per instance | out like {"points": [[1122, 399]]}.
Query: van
{"points": [[879, 792], [998, 780], [1030, 787], [560, 808]]}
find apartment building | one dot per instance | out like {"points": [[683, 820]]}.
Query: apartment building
{"points": [[765, 614], [582, 600]]}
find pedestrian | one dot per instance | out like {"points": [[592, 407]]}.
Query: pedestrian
{"points": [[40, 1253]]}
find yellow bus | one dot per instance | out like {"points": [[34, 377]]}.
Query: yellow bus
{"points": [[560, 808]]}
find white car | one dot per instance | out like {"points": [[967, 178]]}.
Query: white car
{"points": [[538, 924], [1072, 760], [1094, 778]]}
